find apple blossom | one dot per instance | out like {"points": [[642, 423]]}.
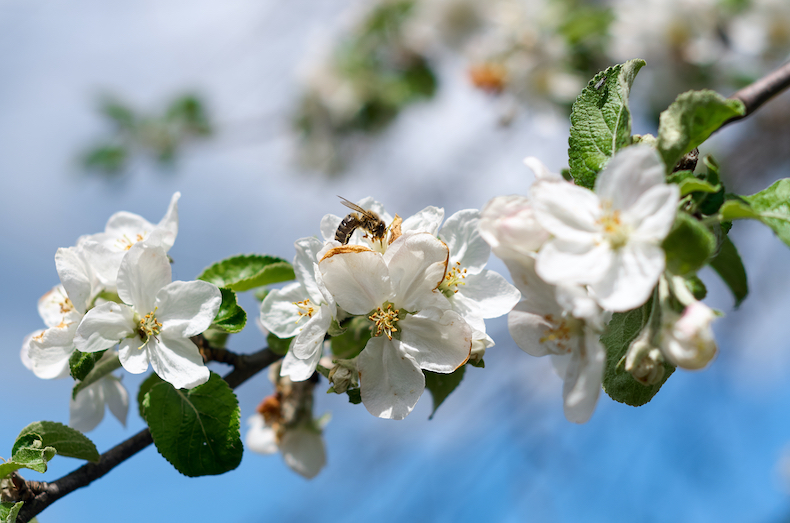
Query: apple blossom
{"points": [[155, 320]]}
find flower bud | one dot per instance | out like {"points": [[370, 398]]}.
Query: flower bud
{"points": [[644, 361], [688, 339], [343, 376]]}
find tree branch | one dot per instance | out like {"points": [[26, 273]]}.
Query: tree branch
{"points": [[245, 366], [759, 92]]}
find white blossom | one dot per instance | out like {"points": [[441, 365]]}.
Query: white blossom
{"points": [[87, 410], [302, 447]]}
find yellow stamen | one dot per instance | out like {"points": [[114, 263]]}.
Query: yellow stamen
{"points": [[149, 327], [305, 309], [385, 321], [452, 279]]}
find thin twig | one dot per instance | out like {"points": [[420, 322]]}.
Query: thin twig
{"points": [[756, 94], [246, 366]]}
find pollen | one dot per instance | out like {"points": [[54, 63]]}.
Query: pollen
{"points": [[305, 308], [66, 306], [125, 243], [149, 327], [560, 333], [452, 279], [613, 228], [384, 320]]}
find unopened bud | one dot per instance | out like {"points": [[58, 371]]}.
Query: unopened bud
{"points": [[644, 362], [688, 340], [343, 376]]}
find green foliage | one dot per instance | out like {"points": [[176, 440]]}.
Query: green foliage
{"points": [[230, 316], [9, 511], [690, 120], [441, 385], [29, 452], [772, 206], [729, 266], [620, 333], [148, 383], [277, 345], [709, 204], [65, 440], [688, 183], [99, 370], [196, 430], [81, 363], [354, 396], [248, 271], [696, 287], [349, 344], [688, 245]]}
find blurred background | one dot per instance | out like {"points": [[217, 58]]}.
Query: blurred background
{"points": [[261, 112]]}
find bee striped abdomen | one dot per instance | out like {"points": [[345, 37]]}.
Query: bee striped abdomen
{"points": [[347, 228]]}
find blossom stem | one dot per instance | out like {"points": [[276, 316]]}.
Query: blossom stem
{"points": [[757, 93]]}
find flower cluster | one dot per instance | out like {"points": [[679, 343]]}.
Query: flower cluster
{"points": [[578, 255], [422, 291], [115, 289]]}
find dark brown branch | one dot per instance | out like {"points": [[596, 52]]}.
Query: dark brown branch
{"points": [[759, 92], [210, 353], [245, 366]]}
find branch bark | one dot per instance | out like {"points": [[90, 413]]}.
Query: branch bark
{"points": [[245, 366], [759, 92]]}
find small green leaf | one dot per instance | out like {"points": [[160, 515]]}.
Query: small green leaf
{"points": [[349, 344], [230, 316], [9, 511], [81, 363], [278, 345], [335, 329], [441, 385], [196, 430], [696, 287], [690, 120], [247, 271], [480, 364], [688, 245], [690, 185], [147, 384], [772, 205], [354, 396], [620, 333], [65, 440], [98, 371], [601, 121], [729, 266], [737, 210], [29, 452]]}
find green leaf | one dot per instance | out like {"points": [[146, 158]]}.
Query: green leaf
{"points": [[772, 207], [441, 385], [710, 203], [688, 245], [147, 384], [247, 271], [98, 371], [9, 511], [354, 396], [81, 363], [690, 185], [690, 120], [601, 121], [65, 440], [620, 333], [696, 287], [349, 344], [230, 316], [196, 430], [278, 345], [729, 266], [29, 452]]}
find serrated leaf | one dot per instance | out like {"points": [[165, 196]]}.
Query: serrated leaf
{"points": [[729, 266], [688, 245], [690, 120], [81, 363], [278, 345], [601, 121], [772, 206], [349, 344], [147, 384], [9, 511], [247, 271], [230, 316], [65, 440], [441, 385], [620, 333], [29, 452], [196, 430]]}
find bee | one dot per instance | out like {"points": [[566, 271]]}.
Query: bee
{"points": [[365, 220]]}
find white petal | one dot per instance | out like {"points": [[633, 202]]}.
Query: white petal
{"points": [[487, 295], [377, 207], [24, 354], [50, 350], [427, 220], [329, 225], [583, 379], [300, 369], [542, 173], [87, 410], [532, 287], [134, 355], [128, 224], [53, 305], [633, 273], [390, 380], [117, 398], [104, 326], [260, 437], [76, 276], [306, 258], [359, 281], [439, 341], [567, 211], [279, 314], [509, 226], [462, 236], [169, 222], [104, 259], [530, 330], [311, 337], [177, 361], [417, 263], [303, 451], [144, 270], [574, 263], [654, 213], [187, 308], [629, 174]]}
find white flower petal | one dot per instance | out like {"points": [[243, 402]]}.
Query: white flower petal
{"points": [[583, 378], [574, 263], [509, 226], [300, 369], [169, 222], [654, 213], [629, 174], [177, 361], [417, 263], [304, 265], [117, 398], [104, 260], [104, 326], [24, 354], [461, 234], [439, 341], [567, 211], [542, 173], [279, 314], [390, 380], [50, 350], [53, 305], [134, 355], [303, 451], [76, 276], [633, 273], [187, 308], [128, 224], [359, 281], [531, 286], [329, 225], [486, 295], [260, 437], [87, 410], [144, 271], [311, 337], [530, 330], [377, 207], [427, 220]]}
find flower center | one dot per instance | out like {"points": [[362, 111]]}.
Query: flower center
{"points": [[560, 332], [614, 230], [125, 243], [385, 320], [452, 279], [149, 327], [305, 308], [66, 306]]}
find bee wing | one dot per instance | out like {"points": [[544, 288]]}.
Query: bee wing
{"points": [[357, 208]]}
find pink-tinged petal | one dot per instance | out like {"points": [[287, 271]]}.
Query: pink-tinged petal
{"points": [[117, 398], [304, 265], [358, 279], [260, 437], [329, 225], [87, 410], [187, 308], [104, 326], [427, 220], [303, 451], [532, 331], [583, 378], [486, 295], [134, 355], [631, 278], [461, 234], [390, 380], [574, 263], [76, 276], [169, 222], [279, 312], [300, 369], [311, 336], [439, 341], [50, 350], [654, 213], [144, 271], [628, 175], [509, 226], [542, 173], [178, 361], [567, 211], [53, 305], [417, 263]]}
